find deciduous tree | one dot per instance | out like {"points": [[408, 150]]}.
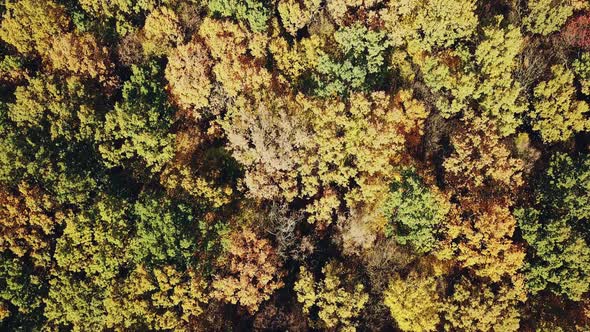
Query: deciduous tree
{"points": [[253, 272], [413, 302], [557, 115], [338, 304], [416, 212], [188, 74], [137, 131], [31, 25]]}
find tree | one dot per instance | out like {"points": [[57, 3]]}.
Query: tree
{"points": [[483, 306], [558, 256], [413, 302], [161, 32], [253, 272], [111, 8], [239, 54], [80, 54], [552, 227], [441, 76], [21, 293], [124, 12], [47, 139], [557, 115], [295, 15], [338, 304], [581, 67], [31, 25], [63, 108], [481, 162], [478, 83], [547, 16], [482, 240], [163, 298], [566, 186], [501, 95], [442, 23], [265, 136], [74, 303], [201, 171], [188, 74], [362, 66], [12, 70], [137, 131], [252, 11], [27, 224], [299, 59], [166, 231], [95, 241], [415, 212], [577, 32], [304, 147]]}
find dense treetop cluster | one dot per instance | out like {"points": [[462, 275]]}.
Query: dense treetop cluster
{"points": [[272, 165]]}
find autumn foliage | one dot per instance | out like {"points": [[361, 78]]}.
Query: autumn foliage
{"points": [[341, 165]]}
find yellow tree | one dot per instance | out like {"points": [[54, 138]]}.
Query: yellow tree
{"points": [[239, 56], [31, 25], [482, 241], [478, 305], [162, 298], [557, 115], [500, 94], [338, 303], [80, 54], [296, 15], [547, 16], [188, 74], [161, 32], [27, 223], [444, 22], [480, 162], [197, 171], [413, 302]]}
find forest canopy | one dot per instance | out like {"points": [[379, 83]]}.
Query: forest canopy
{"points": [[295, 165]]}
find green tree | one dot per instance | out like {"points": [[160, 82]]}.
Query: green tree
{"points": [[252, 11], [48, 138], [581, 67], [136, 133], [21, 293], [166, 231], [357, 65], [559, 255], [416, 212]]}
